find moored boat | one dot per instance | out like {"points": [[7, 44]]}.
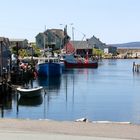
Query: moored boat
{"points": [[71, 60], [29, 92], [49, 69], [81, 65], [76, 62]]}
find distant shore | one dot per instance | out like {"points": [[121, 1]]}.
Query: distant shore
{"points": [[108, 130]]}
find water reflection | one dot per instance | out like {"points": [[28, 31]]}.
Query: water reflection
{"points": [[83, 71], [50, 82], [30, 101], [110, 92], [112, 61], [5, 102]]}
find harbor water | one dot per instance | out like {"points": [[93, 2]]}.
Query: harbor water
{"points": [[109, 93]]}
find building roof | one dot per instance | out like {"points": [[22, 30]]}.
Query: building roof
{"points": [[58, 32], [5, 40], [17, 40], [81, 45], [1, 38], [97, 39]]}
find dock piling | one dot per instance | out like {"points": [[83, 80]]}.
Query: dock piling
{"points": [[136, 67]]}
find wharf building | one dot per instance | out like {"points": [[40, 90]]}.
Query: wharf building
{"points": [[54, 40]]}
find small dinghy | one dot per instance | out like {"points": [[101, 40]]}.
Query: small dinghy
{"points": [[29, 92]]}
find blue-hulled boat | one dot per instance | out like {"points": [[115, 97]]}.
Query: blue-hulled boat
{"points": [[49, 69]]}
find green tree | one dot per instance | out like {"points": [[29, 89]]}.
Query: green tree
{"points": [[22, 53], [97, 52], [36, 50]]}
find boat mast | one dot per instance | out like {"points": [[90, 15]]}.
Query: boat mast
{"points": [[73, 38], [44, 41]]}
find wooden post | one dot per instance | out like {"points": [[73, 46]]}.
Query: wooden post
{"points": [[133, 66], [2, 110], [1, 68], [137, 68], [17, 102], [17, 48]]}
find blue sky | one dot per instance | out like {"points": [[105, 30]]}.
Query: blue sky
{"points": [[112, 21]]}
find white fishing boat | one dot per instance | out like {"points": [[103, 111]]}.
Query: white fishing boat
{"points": [[29, 92]]}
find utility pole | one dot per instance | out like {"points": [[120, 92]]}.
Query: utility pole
{"points": [[73, 35]]}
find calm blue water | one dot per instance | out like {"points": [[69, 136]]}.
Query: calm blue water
{"points": [[109, 93]]}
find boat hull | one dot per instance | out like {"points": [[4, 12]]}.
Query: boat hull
{"points": [[50, 69], [33, 92], [81, 65]]}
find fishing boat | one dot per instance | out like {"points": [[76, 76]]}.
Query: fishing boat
{"points": [[72, 61], [29, 92], [50, 68]]}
